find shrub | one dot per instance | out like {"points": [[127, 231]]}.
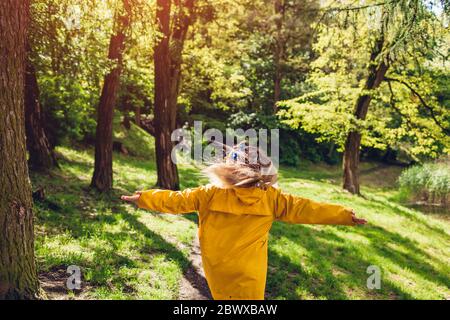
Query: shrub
{"points": [[429, 182], [69, 109]]}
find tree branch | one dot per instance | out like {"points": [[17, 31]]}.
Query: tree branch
{"points": [[350, 8], [422, 101], [358, 7], [408, 121]]}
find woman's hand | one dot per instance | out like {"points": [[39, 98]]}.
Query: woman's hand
{"points": [[357, 220], [134, 198]]}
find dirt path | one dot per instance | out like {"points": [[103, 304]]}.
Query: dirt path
{"points": [[193, 285], [53, 283]]}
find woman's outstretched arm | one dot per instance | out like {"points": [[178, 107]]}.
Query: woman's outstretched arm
{"points": [[168, 201], [294, 209]]}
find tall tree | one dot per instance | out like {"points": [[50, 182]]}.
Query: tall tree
{"points": [[41, 155], [377, 70], [400, 23], [173, 27], [102, 179], [18, 276]]}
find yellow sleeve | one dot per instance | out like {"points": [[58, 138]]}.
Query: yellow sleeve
{"points": [[293, 209], [169, 201]]}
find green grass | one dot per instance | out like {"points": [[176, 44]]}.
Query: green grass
{"points": [[329, 262], [136, 140], [123, 252], [126, 253]]}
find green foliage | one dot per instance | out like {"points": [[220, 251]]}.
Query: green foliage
{"points": [[408, 112], [213, 81], [295, 145], [289, 151], [276, 42], [429, 182], [210, 82], [68, 42], [255, 120], [136, 90], [232, 54], [67, 108], [70, 38]]}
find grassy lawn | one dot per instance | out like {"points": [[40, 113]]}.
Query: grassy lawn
{"points": [[123, 252], [328, 262], [126, 253]]}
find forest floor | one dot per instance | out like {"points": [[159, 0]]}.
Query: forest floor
{"points": [[127, 253]]}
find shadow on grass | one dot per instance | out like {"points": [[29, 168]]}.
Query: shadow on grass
{"points": [[327, 255], [410, 256], [408, 213], [189, 272]]}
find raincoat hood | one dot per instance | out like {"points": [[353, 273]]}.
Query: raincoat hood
{"points": [[253, 201], [248, 196]]}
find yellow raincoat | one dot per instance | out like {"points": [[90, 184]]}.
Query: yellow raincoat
{"points": [[234, 226]]}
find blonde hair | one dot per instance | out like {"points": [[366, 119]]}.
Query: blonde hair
{"points": [[242, 166]]}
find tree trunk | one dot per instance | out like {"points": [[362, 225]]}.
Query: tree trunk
{"points": [[351, 162], [137, 116], [276, 88], [41, 155], [18, 276], [279, 51], [167, 79], [102, 179], [353, 142]]}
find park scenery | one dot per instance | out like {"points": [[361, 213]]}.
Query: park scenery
{"points": [[352, 98]]}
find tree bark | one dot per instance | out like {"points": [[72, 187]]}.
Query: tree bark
{"points": [[376, 75], [41, 155], [18, 276], [167, 61], [102, 179]]}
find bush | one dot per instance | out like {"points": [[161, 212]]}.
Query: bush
{"points": [[69, 109], [429, 182]]}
